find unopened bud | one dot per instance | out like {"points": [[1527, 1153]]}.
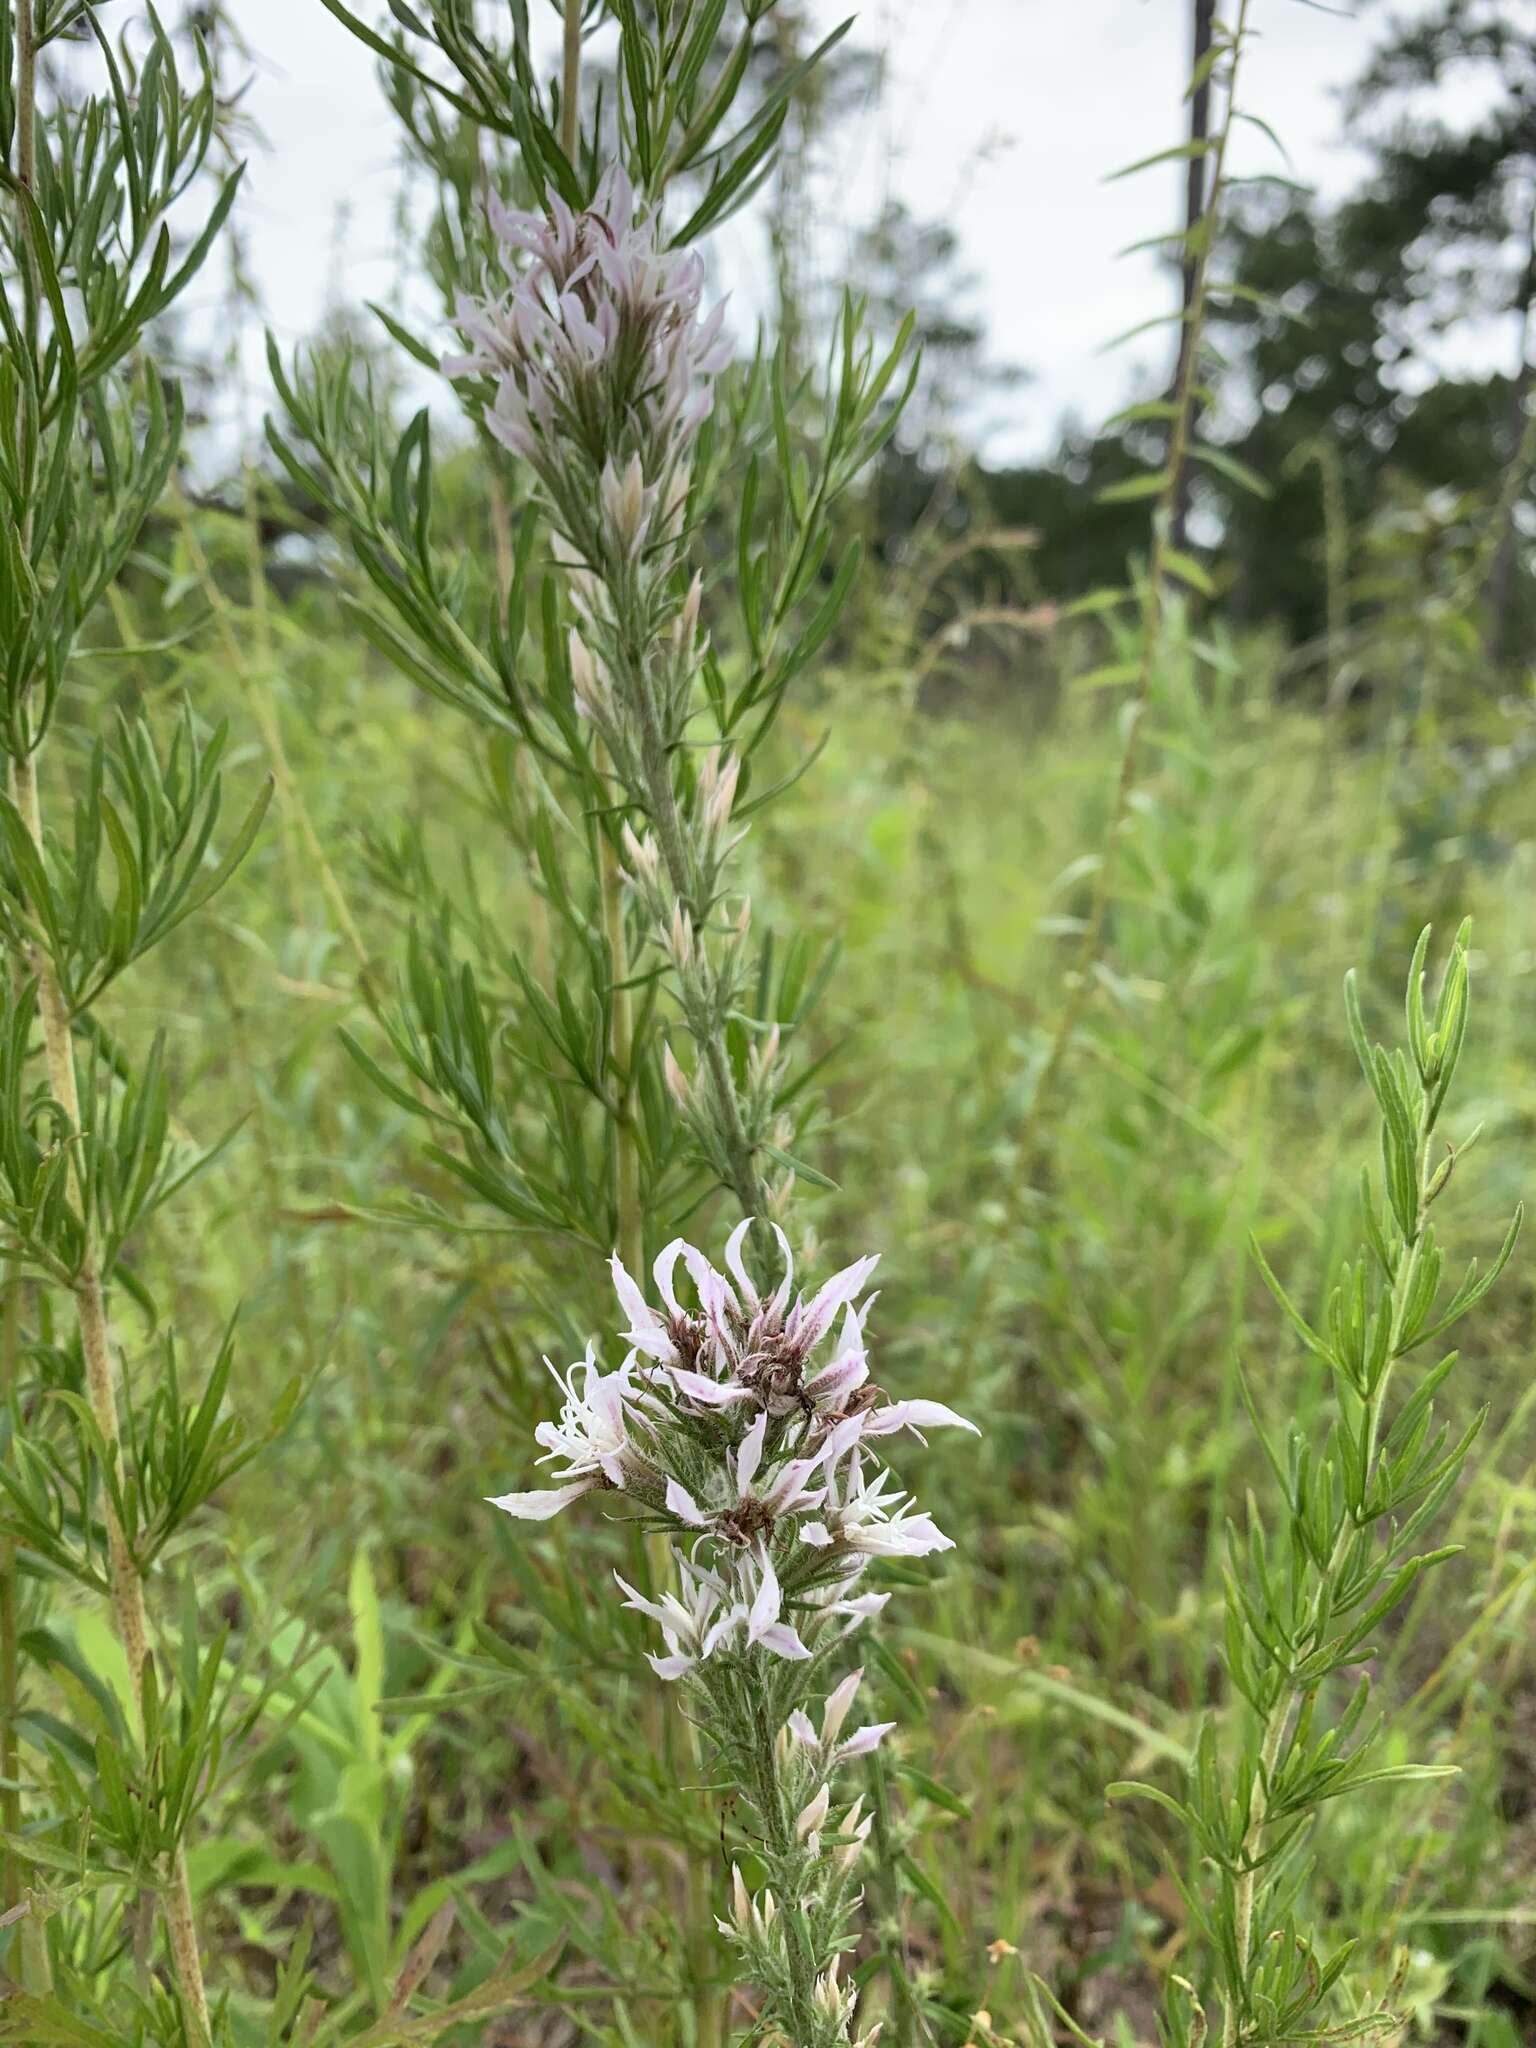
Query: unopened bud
{"points": [[675, 1078], [765, 1056], [641, 855], [624, 505], [688, 617], [812, 1814], [585, 590], [680, 938], [675, 504], [720, 796], [586, 684], [829, 1998], [838, 1703], [856, 1824]]}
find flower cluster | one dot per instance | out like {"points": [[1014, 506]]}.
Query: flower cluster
{"points": [[744, 1422], [603, 365], [752, 1447]]}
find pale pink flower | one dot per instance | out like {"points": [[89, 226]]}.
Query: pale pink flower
{"points": [[748, 1506], [598, 344], [761, 1610], [831, 1749], [741, 1342], [916, 1416], [692, 1626], [593, 1436], [872, 1518]]}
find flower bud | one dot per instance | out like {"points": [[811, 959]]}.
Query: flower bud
{"points": [[588, 684], [675, 504], [764, 1058], [838, 1703], [625, 506], [831, 2001], [719, 793], [812, 1814], [676, 1080], [680, 938], [688, 617], [857, 1824], [641, 856]]}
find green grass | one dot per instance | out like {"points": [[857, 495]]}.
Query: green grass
{"points": [[1071, 1272]]}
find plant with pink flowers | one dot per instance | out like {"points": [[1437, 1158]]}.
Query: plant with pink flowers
{"points": [[741, 1424], [630, 1055]]}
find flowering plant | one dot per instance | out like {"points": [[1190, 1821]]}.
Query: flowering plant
{"points": [[728, 1433], [643, 1030]]}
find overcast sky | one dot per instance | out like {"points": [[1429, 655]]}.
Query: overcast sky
{"points": [[1004, 117]]}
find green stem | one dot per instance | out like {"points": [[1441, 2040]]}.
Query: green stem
{"points": [[779, 1830], [570, 79], [1277, 1723], [10, 1677], [742, 1176], [89, 1286], [1081, 980], [890, 1913]]}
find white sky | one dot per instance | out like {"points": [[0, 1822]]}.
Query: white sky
{"points": [[1002, 116]]}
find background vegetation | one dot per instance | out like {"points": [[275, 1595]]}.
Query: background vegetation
{"points": [[1337, 747]]}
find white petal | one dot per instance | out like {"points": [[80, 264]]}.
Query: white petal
{"points": [[839, 1701], [783, 1642], [813, 1813], [800, 1727], [669, 1667], [682, 1504], [782, 1291], [863, 1606], [865, 1740], [654, 1342], [789, 1486], [541, 1504], [817, 1533], [750, 1454], [812, 1322], [709, 1393], [662, 1271], [711, 1287], [767, 1600], [733, 1245], [916, 1415], [631, 1300]]}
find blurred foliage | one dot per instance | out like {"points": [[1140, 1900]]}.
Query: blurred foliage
{"points": [[459, 1755]]}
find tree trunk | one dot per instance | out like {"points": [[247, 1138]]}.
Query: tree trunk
{"points": [[1501, 579]]}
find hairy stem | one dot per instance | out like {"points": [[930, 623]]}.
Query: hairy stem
{"points": [[890, 1912], [744, 1180], [1248, 1882], [778, 1829]]}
